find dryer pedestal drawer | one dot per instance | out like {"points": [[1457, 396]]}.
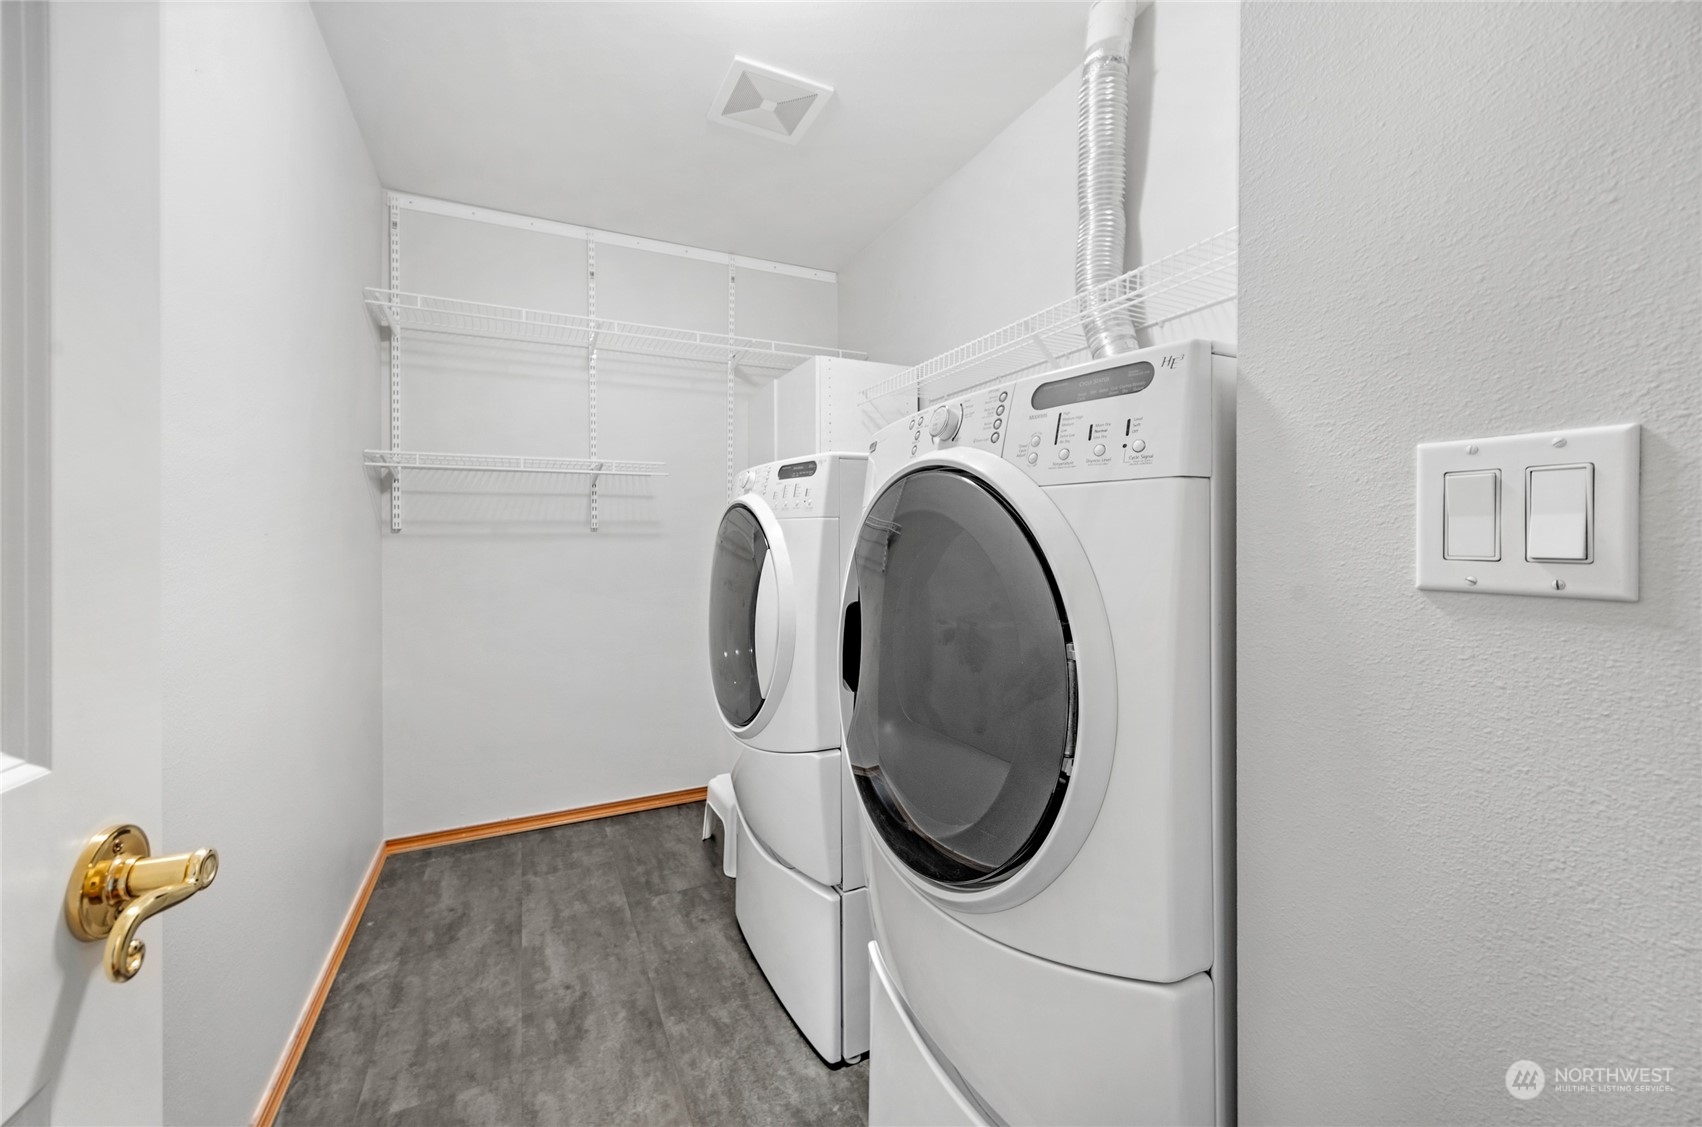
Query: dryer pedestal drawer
{"points": [[791, 799], [795, 929]]}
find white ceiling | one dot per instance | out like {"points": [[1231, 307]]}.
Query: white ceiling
{"points": [[597, 113]]}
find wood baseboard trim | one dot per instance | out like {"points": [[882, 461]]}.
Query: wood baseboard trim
{"points": [[273, 1098], [543, 821]]}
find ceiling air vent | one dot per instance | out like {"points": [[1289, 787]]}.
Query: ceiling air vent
{"points": [[760, 99]]}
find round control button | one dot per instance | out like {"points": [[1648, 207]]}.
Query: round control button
{"points": [[943, 423], [1003, 395], [1138, 445], [999, 410], [1064, 454], [1099, 450], [1033, 458], [1034, 440]]}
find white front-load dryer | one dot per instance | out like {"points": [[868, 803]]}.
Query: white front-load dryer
{"points": [[1037, 725], [775, 581]]}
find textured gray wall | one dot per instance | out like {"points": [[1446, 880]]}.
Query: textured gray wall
{"points": [[1469, 824]]}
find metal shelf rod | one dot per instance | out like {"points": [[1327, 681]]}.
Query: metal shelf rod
{"points": [[505, 463], [426, 313]]}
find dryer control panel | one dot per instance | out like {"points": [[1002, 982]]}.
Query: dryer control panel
{"points": [[820, 485], [1142, 414], [977, 421]]}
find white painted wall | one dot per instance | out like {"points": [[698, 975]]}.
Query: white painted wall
{"points": [[270, 226], [1468, 824], [996, 241], [532, 665]]}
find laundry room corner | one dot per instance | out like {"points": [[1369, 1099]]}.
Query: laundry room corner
{"points": [[535, 661]]}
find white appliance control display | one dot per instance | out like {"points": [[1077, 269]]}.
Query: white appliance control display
{"points": [[790, 488], [821, 486], [1145, 414]]}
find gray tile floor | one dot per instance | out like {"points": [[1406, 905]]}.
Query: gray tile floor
{"points": [[587, 974]]}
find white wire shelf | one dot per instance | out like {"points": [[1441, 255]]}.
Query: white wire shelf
{"points": [[1192, 280], [507, 463], [424, 313]]}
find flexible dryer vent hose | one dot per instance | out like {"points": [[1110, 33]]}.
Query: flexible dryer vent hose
{"points": [[1101, 168]]}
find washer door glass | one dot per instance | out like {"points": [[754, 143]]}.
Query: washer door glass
{"points": [[964, 718], [767, 625], [735, 582]]}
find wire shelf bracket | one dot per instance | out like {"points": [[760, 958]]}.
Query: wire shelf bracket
{"points": [[591, 375], [1192, 280]]}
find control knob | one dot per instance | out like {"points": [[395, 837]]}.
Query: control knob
{"points": [[943, 423], [745, 480]]}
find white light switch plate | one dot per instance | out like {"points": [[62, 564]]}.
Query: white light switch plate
{"points": [[1611, 573]]}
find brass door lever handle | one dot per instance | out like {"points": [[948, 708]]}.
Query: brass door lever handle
{"points": [[117, 884]]}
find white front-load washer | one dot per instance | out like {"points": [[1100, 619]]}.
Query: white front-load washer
{"points": [[775, 581], [1037, 721]]}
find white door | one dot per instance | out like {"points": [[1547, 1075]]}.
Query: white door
{"points": [[80, 623]]}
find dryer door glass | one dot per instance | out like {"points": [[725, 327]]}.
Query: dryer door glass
{"points": [[964, 718], [735, 578]]}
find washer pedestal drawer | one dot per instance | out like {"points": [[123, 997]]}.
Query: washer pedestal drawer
{"points": [[1036, 1042], [907, 1085]]}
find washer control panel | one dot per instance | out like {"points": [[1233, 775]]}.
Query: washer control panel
{"points": [[805, 487], [1143, 414]]}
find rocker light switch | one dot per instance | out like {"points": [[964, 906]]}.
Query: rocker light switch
{"points": [[1471, 504], [1557, 519], [1552, 514]]}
